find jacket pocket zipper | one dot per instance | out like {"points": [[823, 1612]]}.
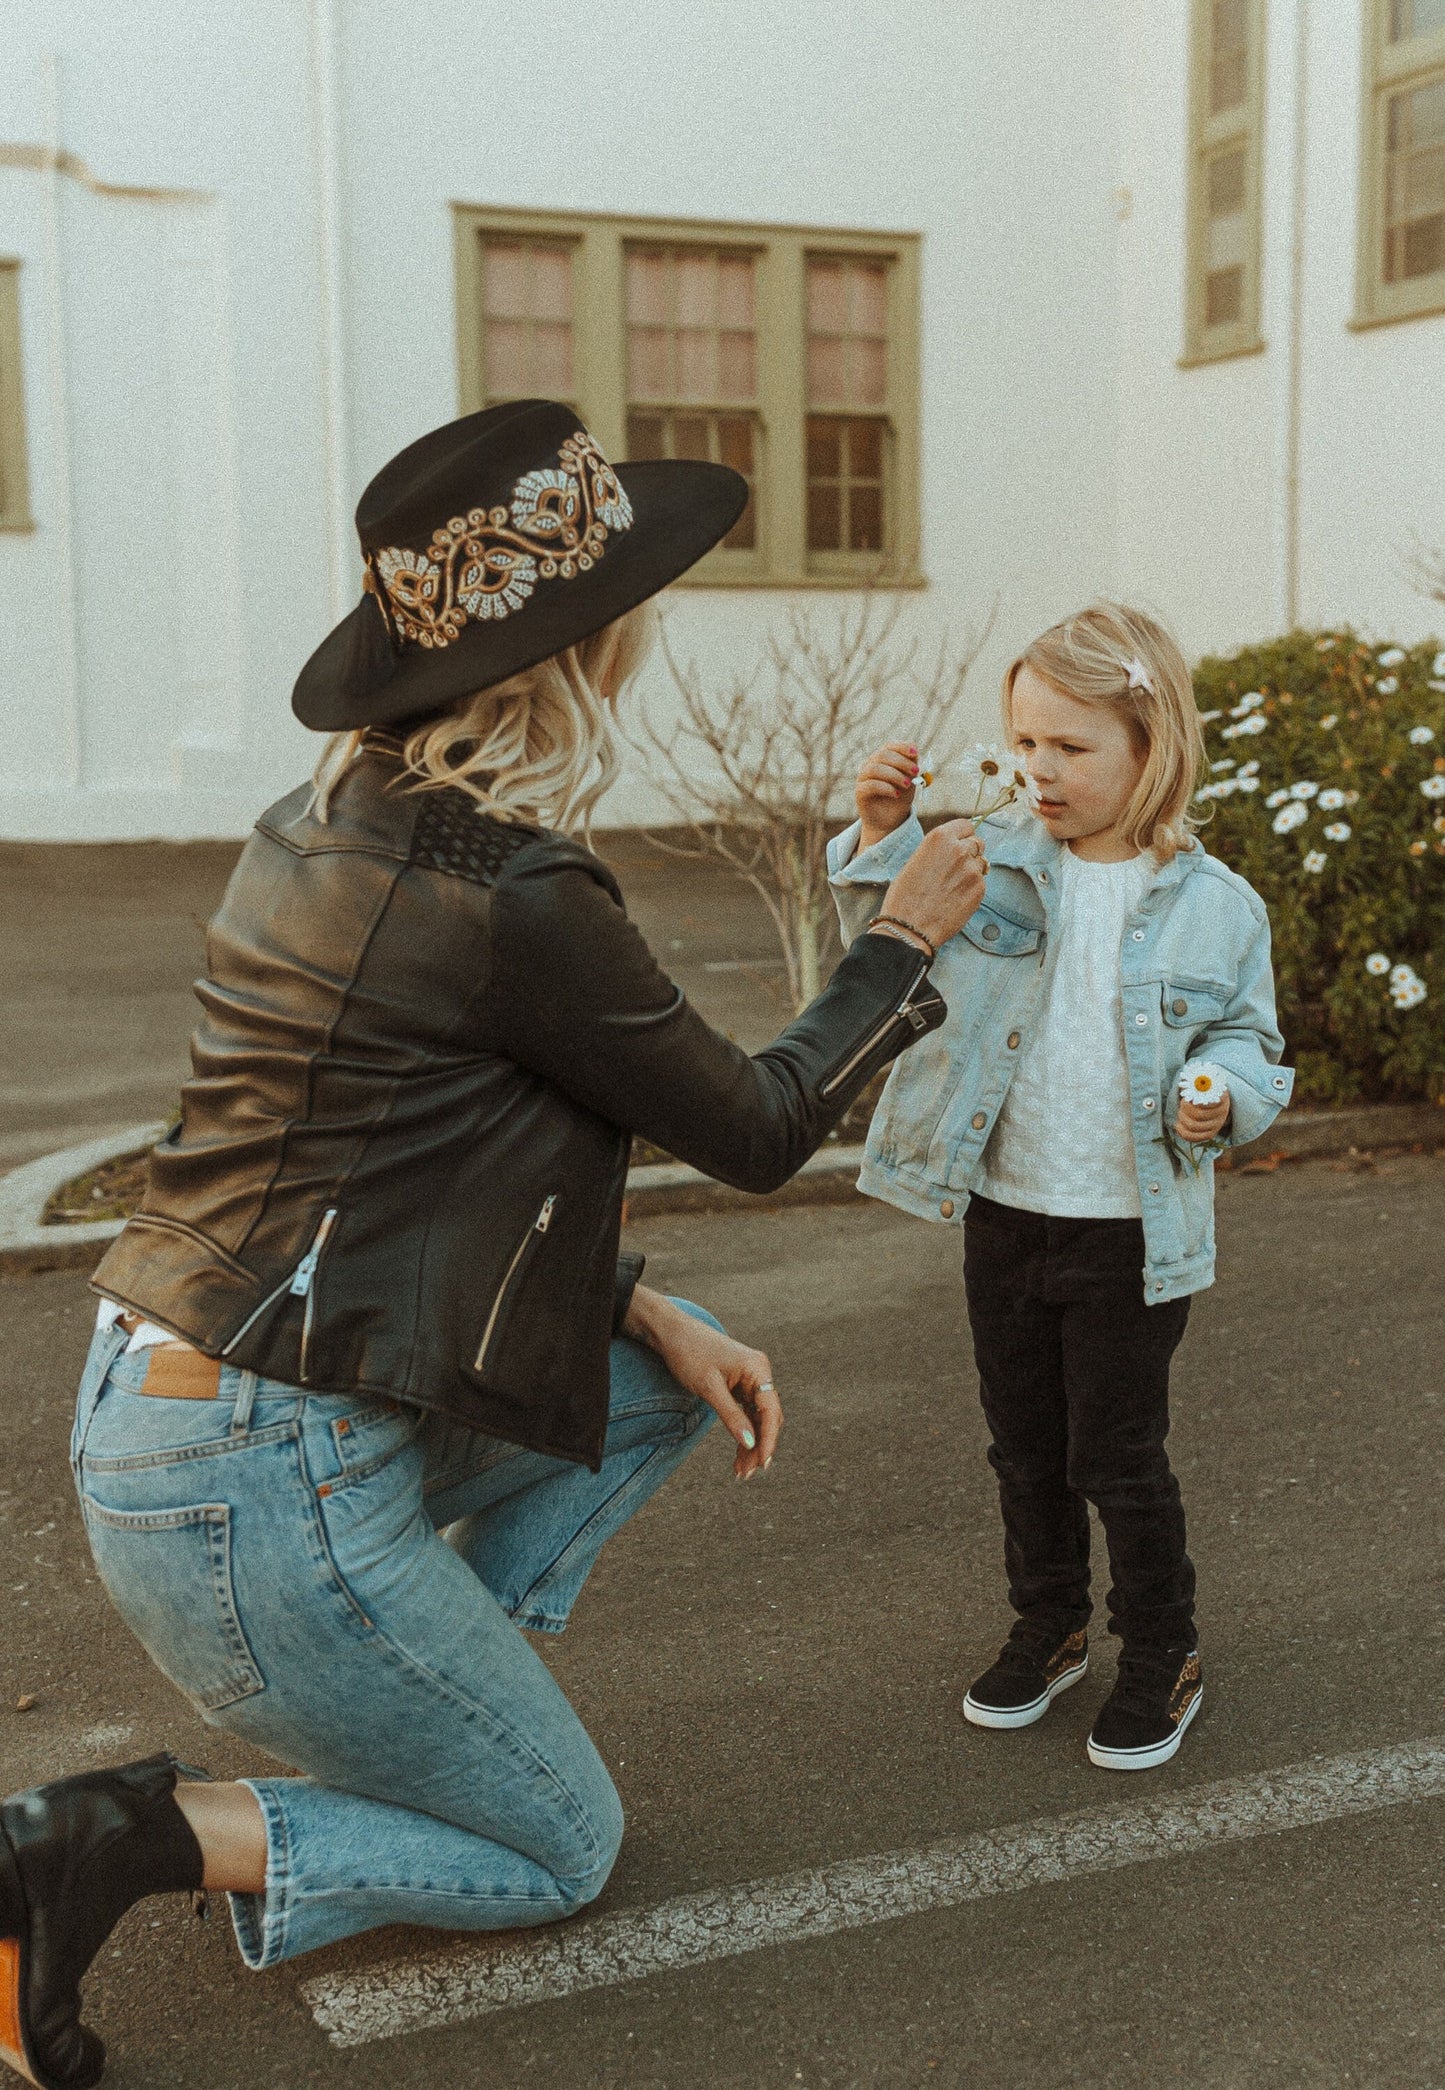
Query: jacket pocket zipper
{"points": [[298, 1284], [533, 1234], [907, 1012]]}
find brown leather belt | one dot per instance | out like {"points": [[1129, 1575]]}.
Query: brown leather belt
{"points": [[176, 1373]]}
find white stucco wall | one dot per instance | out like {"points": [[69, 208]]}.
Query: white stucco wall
{"points": [[213, 375]]}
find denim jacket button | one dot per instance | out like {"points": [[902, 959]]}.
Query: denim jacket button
{"points": [[1153, 1190], [1141, 1017], [1179, 1006], [990, 932], [945, 1210], [980, 1119], [1138, 936], [1159, 1287], [1013, 1041], [1148, 1102]]}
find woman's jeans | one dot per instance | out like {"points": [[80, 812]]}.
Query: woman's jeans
{"points": [[280, 1556], [1073, 1369]]}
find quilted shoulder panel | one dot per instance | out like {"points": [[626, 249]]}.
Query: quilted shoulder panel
{"points": [[454, 835]]}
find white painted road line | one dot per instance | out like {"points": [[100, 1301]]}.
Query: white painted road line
{"points": [[467, 1981]]}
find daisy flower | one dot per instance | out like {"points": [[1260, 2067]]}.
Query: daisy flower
{"points": [[1392, 656], [1378, 964], [1332, 801], [1315, 861], [1277, 798], [1338, 831], [1304, 789], [1202, 1083], [1433, 787], [1421, 736], [1387, 685], [1289, 817]]}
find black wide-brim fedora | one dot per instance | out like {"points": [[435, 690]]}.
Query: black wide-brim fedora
{"points": [[495, 542]]}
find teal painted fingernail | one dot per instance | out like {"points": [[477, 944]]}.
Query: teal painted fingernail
{"points": [[747, 1440]]}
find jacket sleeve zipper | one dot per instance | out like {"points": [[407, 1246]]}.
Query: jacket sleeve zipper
{"points": [[907, 1012], [539, 1226], [297, 1283]]}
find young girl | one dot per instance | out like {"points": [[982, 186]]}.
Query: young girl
{"points": [[1110, 952]]}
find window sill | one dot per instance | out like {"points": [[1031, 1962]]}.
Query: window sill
{"points": [[1195, 359], [777, 582], [1431, 307]]}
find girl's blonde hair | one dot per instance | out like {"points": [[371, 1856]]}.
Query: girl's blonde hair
{"points": [[1109, 654], [539, 746]]}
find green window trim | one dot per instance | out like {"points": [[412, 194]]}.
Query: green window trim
{"points": [[772, 550], [1224, 215], [14, 474], [1403, 79]]}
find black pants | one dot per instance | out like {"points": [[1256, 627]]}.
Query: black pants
{"points": [[1074, 1373]]}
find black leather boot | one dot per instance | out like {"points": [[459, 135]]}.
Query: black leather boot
{"points": [[73, 1858]]}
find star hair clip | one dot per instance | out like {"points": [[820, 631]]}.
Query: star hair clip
{"points": [[1138, 675]]}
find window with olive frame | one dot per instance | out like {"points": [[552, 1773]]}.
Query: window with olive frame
{"points": [[1401, 270], [1222, 290], [787, 353], [14, 475]]}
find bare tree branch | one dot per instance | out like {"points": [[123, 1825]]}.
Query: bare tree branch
{"points": [[758, 769]]}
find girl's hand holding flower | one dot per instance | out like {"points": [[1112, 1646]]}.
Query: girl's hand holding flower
{"points": [[1204, 1103], [885, 790], [1201, 1122]]}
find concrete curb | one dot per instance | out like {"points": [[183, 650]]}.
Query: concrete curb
{"points": [[828, 1178], [24, 1193]]}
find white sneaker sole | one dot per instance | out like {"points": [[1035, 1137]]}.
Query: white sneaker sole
{"points": [[1152, 1753], [1022, 1715]]}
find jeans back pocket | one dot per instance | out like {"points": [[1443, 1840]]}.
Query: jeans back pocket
{"points": [[168, 1573]]}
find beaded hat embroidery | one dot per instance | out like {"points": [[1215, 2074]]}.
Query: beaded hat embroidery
{"points": [[494, 542]]}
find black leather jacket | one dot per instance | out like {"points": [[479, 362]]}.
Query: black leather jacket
{"points": [[400, 1164]]}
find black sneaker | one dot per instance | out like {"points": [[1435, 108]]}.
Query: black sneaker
{"points": [[1142, 1723], [1031, 1670]]}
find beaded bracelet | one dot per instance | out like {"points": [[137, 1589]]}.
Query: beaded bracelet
{"points": [[893, 922]]}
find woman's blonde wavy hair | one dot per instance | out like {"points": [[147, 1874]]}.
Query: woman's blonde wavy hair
{"points": [[538, 747], [1089, 657]]}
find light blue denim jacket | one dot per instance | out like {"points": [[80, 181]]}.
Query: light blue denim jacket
{"points": [[1195, 972]]}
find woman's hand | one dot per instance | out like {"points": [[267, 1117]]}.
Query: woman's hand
{"points": [[941, 884], [1201, 1122], [884, 793], [735, 1381]]}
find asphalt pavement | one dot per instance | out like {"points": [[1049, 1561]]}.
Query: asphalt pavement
{"points": [[774, 1675]]}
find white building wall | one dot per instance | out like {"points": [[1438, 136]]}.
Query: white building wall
{"points": [[1210, 534], [214, 372]]}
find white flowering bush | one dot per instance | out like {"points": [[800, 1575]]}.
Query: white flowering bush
{"points": [[1326, 790]]}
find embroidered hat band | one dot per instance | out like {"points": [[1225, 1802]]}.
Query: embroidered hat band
{"points": [[497, 541], [486, 563]]}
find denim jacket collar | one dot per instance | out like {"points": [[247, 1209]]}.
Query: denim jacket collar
{"points": [[1026, 845]]}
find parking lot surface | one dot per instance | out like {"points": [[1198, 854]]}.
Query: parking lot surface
{"points": [[774, 1675]]}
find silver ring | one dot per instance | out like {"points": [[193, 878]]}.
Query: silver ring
{"points": [[767, 1386]]}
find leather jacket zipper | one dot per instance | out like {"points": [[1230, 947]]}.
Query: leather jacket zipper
{"points": [[528, 1241], [298, 1284], [907, 1012]]}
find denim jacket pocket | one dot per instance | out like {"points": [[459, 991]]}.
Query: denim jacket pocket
{"points": [[1192, 1004], [998, 935], [168, 1573]]}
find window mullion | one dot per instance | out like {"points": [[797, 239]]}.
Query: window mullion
{"points": [[601, 344], [782, 400]]}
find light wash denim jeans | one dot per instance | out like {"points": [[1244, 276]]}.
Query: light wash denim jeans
{"points": [[281, 1557]]}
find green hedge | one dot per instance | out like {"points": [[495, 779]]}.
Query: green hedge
{"points": [[1339, 715]]}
